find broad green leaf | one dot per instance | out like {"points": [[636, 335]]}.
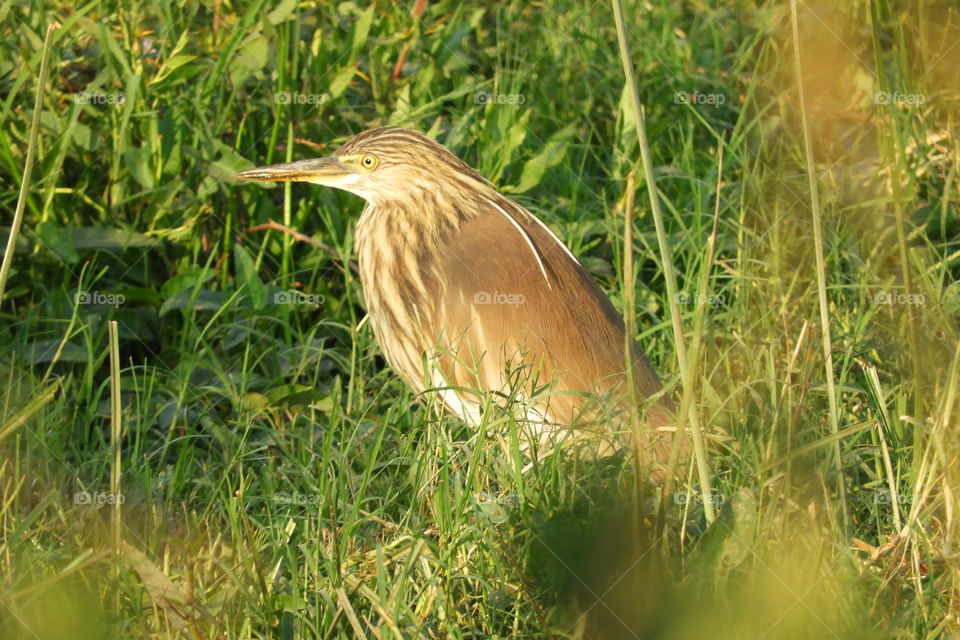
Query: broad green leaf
{"points": [[107, 39], [169, 66], [361, 29], [401, 115], [283, 12], [251, 57], [41, 351], [551, 155], [492, 511], [253, 401], [56, 239], [136, 295], [248, 278], [106, 238], [510, 142], [84, 137], [292, 604], [341, 80], [228, 164], [208, 186], [185, 281], [38, 402], [282, 392], [137, 161], [206, 300]]}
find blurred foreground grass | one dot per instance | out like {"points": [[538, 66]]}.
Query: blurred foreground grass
{"points": [[279, 481]]}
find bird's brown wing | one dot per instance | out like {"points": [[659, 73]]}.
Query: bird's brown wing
{"points": [[516, 295]]}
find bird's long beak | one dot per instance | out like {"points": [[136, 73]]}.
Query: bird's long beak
{"points": [[327, 171]]}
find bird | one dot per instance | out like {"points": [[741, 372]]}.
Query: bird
{"points": [[469, 294]]}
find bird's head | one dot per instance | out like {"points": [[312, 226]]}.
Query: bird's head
{"points": [[387, 164]]}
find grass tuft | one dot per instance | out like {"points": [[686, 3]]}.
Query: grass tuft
{"points": [[171, 354]]}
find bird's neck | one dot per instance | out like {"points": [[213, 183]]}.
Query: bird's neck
{"points": [[398, 233], [423, 213], [385, 225]]}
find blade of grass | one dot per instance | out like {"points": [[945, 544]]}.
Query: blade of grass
{"points": [[700, 309], [893, 149], [28, 164], [38, 402], [703, 470], [875, 389], [629, 313], [115, 468], [815, 210]]}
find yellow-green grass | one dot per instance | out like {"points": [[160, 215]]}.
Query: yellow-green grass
{"points": [[276, 480]]}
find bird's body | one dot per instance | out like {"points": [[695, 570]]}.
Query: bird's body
{"points": [[464, 280]]}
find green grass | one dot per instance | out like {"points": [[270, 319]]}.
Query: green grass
{"points": [[279, 481]]}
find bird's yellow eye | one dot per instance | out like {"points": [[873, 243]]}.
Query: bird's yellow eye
{"points": [[368, 162]]}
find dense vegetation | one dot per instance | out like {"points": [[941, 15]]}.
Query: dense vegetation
{"points": [[278, 480]]}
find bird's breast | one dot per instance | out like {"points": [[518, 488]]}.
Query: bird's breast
{"points": [[399, 290]]}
